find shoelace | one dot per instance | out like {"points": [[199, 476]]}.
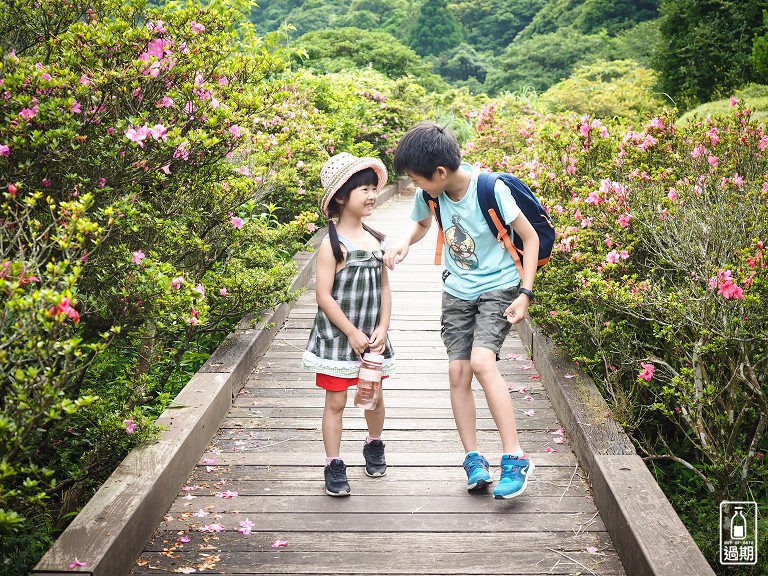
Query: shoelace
{"points": [[377, 452], [473, 464], [337, 474]]}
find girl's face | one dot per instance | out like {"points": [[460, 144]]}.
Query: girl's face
{"points": [[361, 200]]}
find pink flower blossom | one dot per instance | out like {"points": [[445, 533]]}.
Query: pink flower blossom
{"points": [[550, 450], [612, 257], [530, 412], [77, 563], [235, 131], [223, 292], [245, 526], [672, 194], [184, 539], [594, 198], [5, 150], [63, 309], [227, 494], [311, 227], [102, 182], [734, 101], [137, 135], [138, 256], [216, 527], [200, 289], [624, 254], [28, 113], [75, 107], [177, 282], [738, 180], [623, 221], [196, 27], [236, 221], [130, 426], [713, 160], [648, 370], [279, 543], [243, 170]]}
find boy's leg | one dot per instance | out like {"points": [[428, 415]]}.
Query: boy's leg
{"points": [[497, 396], [463, 402]]}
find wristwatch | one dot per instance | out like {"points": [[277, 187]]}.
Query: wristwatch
{"points": [[527, 292]]}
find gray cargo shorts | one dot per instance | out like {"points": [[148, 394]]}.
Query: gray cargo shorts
{"points": [[480, 322]]}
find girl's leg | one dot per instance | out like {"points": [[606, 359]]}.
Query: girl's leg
{"points": [[483, 364], [375, 418], [463, 402], [332, 421]]}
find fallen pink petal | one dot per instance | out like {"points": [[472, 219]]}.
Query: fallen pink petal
{"points": [[558, 432], [77, 563], [549, 450], [279, 543], [592, 550], [569, 376], [530, 412], [557, 439]]}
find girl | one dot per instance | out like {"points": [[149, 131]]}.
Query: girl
{"points": [[354, 305]]}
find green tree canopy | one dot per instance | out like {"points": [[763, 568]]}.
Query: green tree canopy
{"points": [[493, 24], [436, 29], [706, 47]]}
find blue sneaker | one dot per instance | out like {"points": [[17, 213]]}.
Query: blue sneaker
{"points": [[515, 472], [476, 467]]}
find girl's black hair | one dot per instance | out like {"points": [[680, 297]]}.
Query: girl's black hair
{"points": [[366, 177]]}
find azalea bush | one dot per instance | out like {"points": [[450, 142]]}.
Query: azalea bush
{"points": [[657, 284]]}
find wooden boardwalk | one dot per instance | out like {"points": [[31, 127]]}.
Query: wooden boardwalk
{"points": [[419, 518]]}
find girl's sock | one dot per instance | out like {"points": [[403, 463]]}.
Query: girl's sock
{"points": [[368, 439], [328, 460]]}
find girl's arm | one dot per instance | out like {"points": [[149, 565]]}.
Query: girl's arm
{"points": [[379, 336], [324, 275], [519, 307]]}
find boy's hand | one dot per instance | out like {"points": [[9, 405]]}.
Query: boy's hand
{"points": [[516, 311], [394, 254], [359, 341]]}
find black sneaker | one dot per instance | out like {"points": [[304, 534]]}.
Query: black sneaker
{"points": [[336, 479], [373, 452]]}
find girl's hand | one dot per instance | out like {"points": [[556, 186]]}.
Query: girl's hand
{"points": [[378, 341], [395, 254], [359, 341]]}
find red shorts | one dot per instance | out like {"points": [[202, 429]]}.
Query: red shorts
{"points": [[335, 383]]}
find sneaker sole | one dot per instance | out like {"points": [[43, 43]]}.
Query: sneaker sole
{"points": [[531, 468], [375, 474], [480, 484], [342, 493]]}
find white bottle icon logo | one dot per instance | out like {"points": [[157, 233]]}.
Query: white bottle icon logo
{"points": [[738, 525]]}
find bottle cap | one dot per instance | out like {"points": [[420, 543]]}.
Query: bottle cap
{"points": [[373, 357]]}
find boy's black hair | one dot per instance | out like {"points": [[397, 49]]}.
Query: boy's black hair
{"points": [[425, 147], [366, 177]]}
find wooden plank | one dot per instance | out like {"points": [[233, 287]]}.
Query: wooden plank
{"points": [[536, 422]]}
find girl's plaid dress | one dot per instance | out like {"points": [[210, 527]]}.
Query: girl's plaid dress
{"points": [[357, 289]]}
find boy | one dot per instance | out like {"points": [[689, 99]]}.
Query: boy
{"points": [[483, 293]]}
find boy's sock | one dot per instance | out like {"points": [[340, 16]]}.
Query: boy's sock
{"points": [[329, 460], [517, 454], [472, 452], [368, 439]]}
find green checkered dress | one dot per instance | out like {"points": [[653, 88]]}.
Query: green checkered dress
{"points": [[357, 289]]}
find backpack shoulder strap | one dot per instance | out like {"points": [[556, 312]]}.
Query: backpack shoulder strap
{"points": [[486, 198], [434, 207]]}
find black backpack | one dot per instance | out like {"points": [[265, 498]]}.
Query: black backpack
{"points": [[526, 201]]}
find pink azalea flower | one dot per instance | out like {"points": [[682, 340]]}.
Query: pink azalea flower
{"points": [[130, 426], [557, 439], [245, 527], [594, 198], [28, 113], [5, 150], [216, 527], [612, 257], [648, 370], [672, 194], [228, 494], [236, 221], [200, 513], [177, 282], [311, 227], [624, 254], [235, 131], [138, 256], [550, 450], [243, 170], [623, 221], [223, 292], [592, 550], [208, 461], [558, 432], [279, 543], [530, 412], [75, 108], [713, 160], [734, 101], [77, 563], [196, 27], [528, 398], [165, 169], [200, 289], [184, 539]]}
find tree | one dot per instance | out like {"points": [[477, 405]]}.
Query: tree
{"points": [[436, 29], [493, 24], [706, 47]]}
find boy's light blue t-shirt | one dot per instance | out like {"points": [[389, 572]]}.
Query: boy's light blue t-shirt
{"points": [[476, 261]]}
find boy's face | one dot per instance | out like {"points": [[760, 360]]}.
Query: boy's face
{"points": [[434, 185]]}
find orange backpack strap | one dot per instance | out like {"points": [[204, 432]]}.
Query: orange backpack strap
{"points": [[440, 236], [503, 238]]}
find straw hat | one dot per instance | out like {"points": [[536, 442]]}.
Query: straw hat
{"points": [[339, 168]]}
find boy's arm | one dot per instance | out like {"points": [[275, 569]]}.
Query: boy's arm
{"points": [[398, 251], [519, 307], [324, 275]]}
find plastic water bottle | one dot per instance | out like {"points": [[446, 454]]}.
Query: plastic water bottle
{"points": [[369, 381]]}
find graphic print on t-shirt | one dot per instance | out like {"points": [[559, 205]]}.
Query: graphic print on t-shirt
{"points": [[461, 246]]}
